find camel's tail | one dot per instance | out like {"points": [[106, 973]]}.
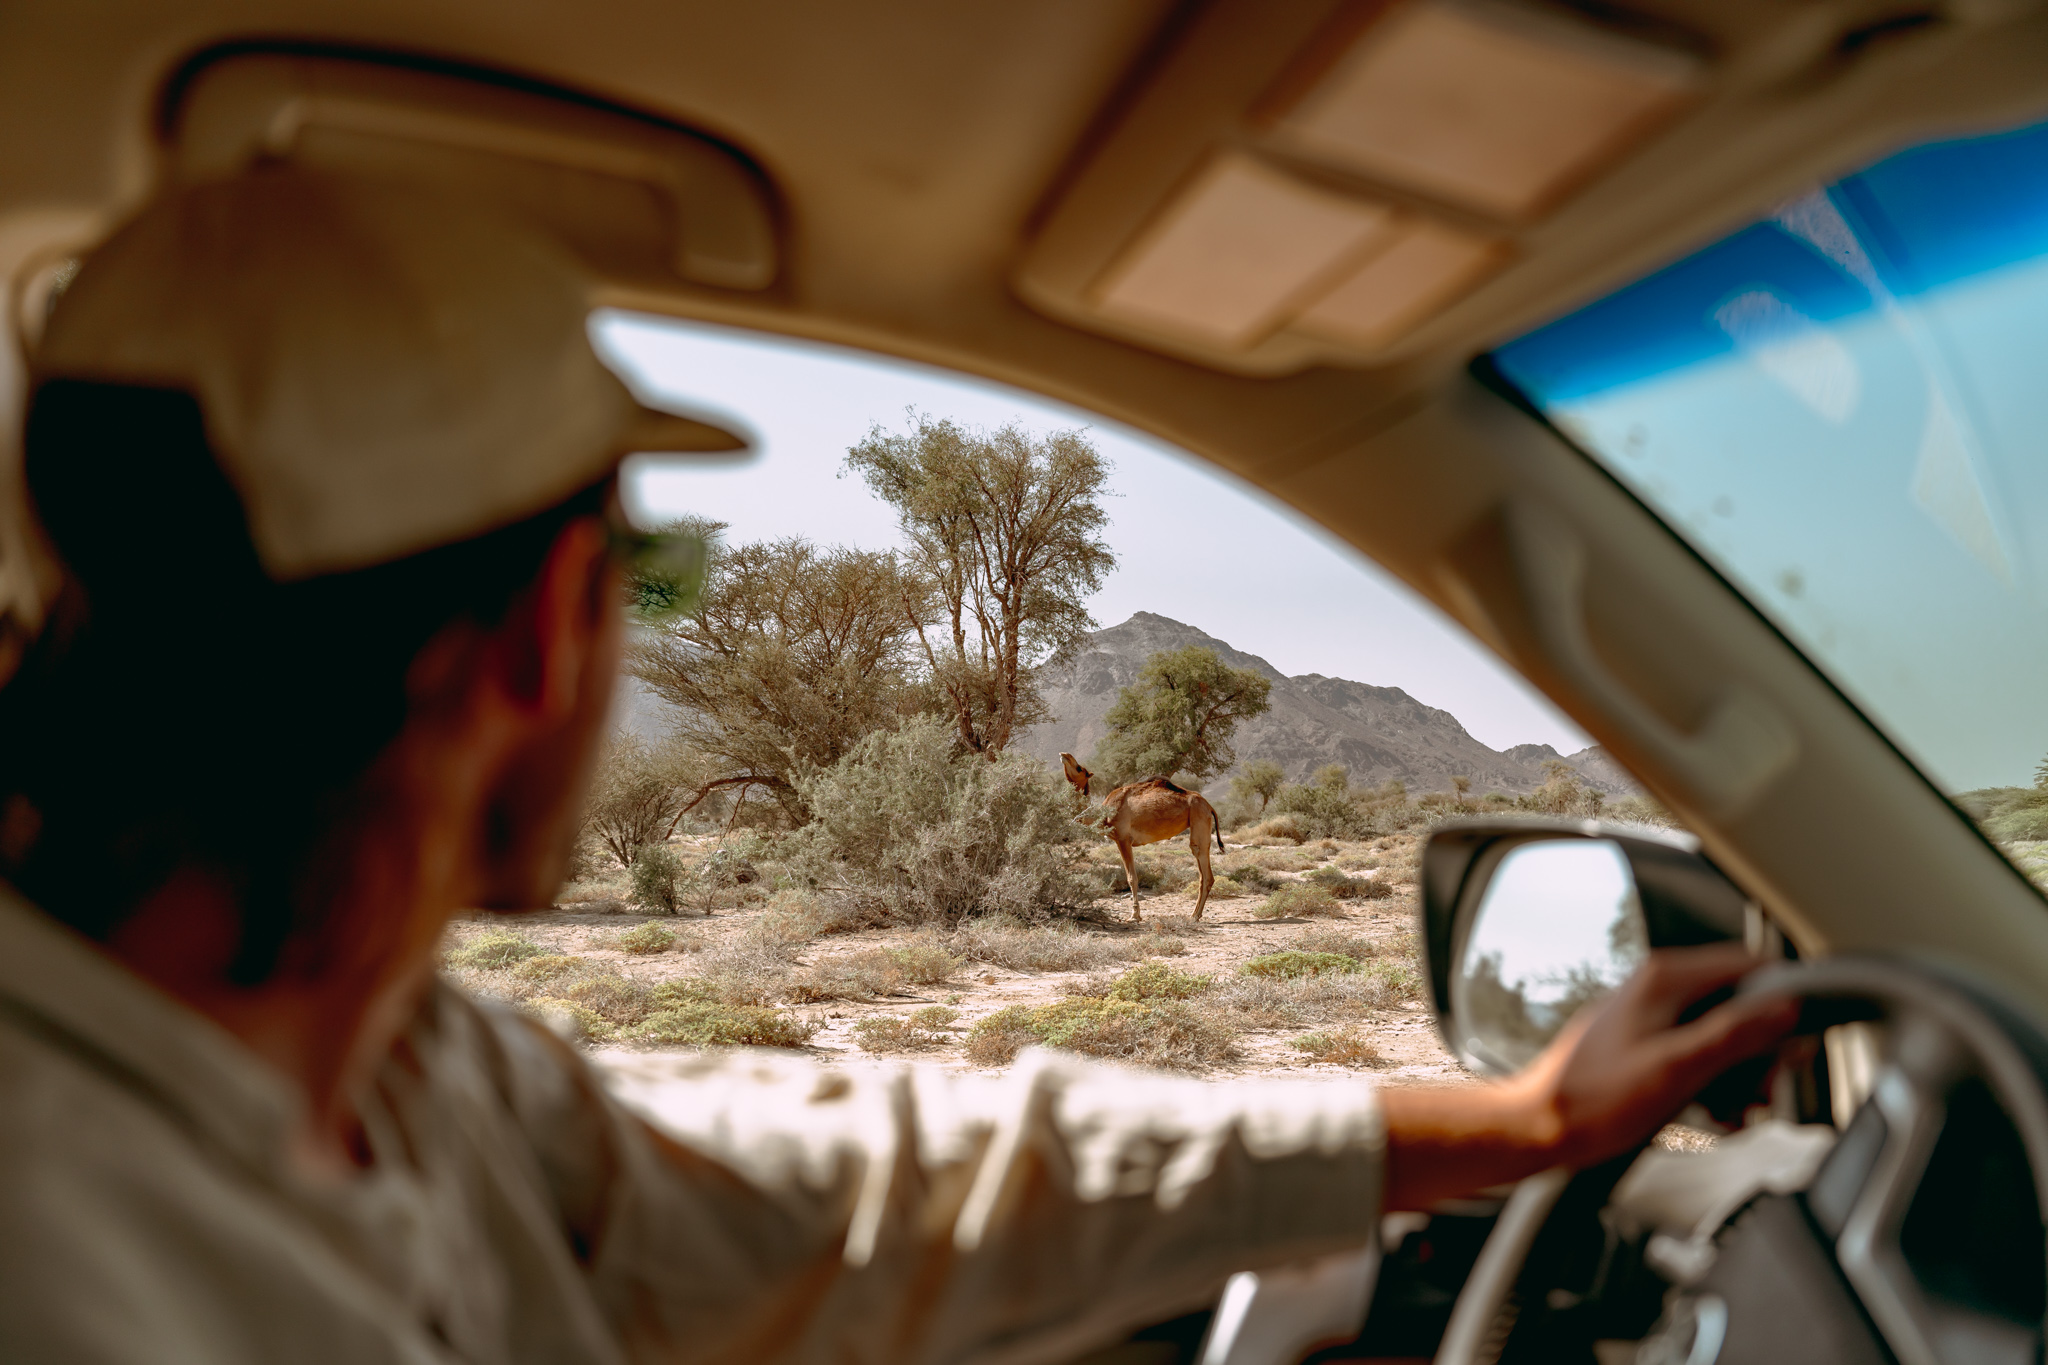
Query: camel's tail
{"points": [[1215, 825]]}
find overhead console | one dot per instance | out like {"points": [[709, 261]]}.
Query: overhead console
{"points": [[1301, 183]]}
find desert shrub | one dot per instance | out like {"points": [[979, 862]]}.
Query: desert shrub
{"points": [[2030, 822], [1339, 884], [1299, 898], [698, 1022], [657, 874], [1292, 962], [1273, 860], [1344, 1047], [1052, 947], [1564, 792], [635, 794], [1168, 1033], [1329, 938], [1283, 825], [494, 950], [546, 967], [649, 937], [1639, 809], [578, 1021], [926, 1029], [1260, 1001], [924, 961], [1322, 807], [749, 972], [727, 866], [1253, 878], [598, 896], [938, 838], [1358, 862], [1157, 981]]}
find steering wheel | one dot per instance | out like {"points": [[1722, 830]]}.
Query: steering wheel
{"points": [[1919, 1240]]}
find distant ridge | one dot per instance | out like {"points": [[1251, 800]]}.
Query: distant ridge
{"points": [[1376, 732]]}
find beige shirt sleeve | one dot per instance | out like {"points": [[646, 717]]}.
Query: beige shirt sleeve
{"points": [[761, 1207]]}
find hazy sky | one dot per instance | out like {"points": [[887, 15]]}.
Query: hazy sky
{"points": [[1192, 543]]}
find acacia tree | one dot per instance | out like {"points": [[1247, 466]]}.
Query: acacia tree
{"points": [[1179, 717], [1004, 535], [791, 654], [1261, 777]]}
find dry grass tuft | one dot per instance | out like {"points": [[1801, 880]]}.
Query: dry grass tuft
{"points": [[1302, 900], [1344, 1047], [878, 972], [1051, 947], [1331, 938], [1271, 860]]}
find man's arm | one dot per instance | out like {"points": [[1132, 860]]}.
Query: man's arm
{"points": [[1615, 1074]]}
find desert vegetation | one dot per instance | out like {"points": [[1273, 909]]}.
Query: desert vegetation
{"points": [[835, 846]]}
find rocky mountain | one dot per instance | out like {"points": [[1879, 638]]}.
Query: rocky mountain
{"points": [[1376, 732]]}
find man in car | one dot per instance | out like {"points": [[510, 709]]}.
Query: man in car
{"points": [[326, 469]]}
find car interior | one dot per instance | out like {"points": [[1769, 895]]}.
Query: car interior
{"points": [[1596, 322]]}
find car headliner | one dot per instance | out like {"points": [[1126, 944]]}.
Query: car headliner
{"points": [[916, 149]]}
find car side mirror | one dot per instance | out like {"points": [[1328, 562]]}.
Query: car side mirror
{"points": [[1525, 922]]}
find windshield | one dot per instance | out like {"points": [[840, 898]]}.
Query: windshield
{"points": [[1844, 408]]}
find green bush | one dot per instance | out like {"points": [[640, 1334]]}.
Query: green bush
{"points": [[1157, 981], [710, 1023], [657, 874], [1167, 1033], [645, 938], [1293, 963], [1304, 899], [494, 949], [923, 1030], [933, 837]]}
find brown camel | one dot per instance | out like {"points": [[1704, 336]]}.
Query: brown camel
{"points": [[1148, 812]]}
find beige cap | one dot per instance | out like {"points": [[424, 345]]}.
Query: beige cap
{"points": [[381, 370]]}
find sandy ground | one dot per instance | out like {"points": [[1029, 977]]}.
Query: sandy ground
{"points": [[1228, 935]]}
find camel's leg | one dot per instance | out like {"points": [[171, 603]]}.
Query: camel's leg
{"points": [[1199, 829], [1130, 875]]}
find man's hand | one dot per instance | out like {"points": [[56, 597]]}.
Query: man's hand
{"points": [[1617, 1073]]}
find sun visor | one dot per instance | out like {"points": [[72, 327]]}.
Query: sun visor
{"points": [[644, 204]]}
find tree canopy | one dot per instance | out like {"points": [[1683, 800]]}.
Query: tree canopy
{"points": [[789, 657], [1005, 547], [1179, 717]]}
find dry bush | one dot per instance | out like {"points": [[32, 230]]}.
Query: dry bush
{"points": [[872, 972], [649, 937], [1344, 1047], [928, 1028], [1286, 825], [902, 822], [1329, 938], [1358, 862], [1272, 860], [750, 972], [1251, 880], [1228, 889], [796, 917], [545, 967], [1167, 1033], [1303, 899], [1052, 947], [493, 950]]}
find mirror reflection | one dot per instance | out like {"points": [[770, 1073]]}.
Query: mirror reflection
{"points": [[1558, 926]]}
